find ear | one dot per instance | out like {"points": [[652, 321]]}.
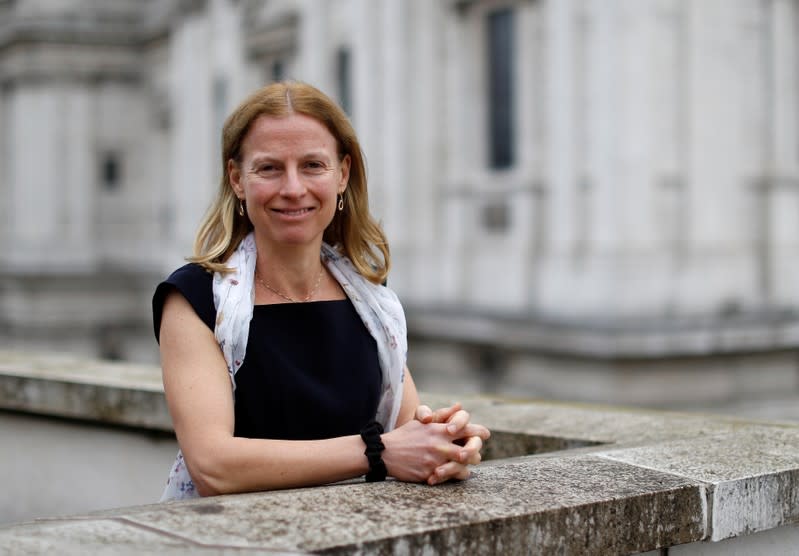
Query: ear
{"points": [[234, 177], [344, 177]]}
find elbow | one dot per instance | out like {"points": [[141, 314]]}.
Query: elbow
{"points": [[206, 487], [209, 476]]}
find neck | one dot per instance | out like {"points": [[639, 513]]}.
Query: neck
{"points": [[293, 271]]}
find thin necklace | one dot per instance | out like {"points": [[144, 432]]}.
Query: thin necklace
{"points": [[287, 298]]}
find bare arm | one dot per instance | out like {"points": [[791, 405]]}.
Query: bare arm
{"points": [[200, 399], [410, 400]]}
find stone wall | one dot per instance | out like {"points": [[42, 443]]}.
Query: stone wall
{"points": [[655, 175], [570, 479]]}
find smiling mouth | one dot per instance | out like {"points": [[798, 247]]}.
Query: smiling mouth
{"points": [[297, 212]]}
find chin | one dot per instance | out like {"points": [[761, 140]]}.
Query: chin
{"points": [[297, 239]]}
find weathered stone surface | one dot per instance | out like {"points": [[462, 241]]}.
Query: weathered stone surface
{"points": [[65, 367], [752, 473], [575, 505], [572, 425], [602, 480], [88, 536]]}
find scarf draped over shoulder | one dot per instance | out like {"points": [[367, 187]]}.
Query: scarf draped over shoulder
{"points": [[234, 298]]}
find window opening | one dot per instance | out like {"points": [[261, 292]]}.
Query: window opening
{"points": [[500, 58]]}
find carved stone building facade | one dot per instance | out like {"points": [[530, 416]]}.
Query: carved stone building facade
{"points": [[584, 199]]}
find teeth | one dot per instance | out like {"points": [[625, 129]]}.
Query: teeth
{"points": [[294, 212]]}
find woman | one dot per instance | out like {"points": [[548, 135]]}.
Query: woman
{"points": [[283, 355]]}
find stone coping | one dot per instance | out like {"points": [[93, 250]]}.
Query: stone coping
{"points": [[621, 481], [69, 386]]}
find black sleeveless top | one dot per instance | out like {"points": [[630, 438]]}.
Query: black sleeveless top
{"points": [[311, 370]]}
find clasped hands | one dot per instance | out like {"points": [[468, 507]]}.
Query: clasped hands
{"points": [[435, 446]]}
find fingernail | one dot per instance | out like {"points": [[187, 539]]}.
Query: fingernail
{"points": [[463, 455], [451, 429]]}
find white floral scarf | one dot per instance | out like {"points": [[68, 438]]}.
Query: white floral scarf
{"points": [[234, 297]]}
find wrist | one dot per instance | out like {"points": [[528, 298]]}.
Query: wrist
{"points": [[371, 436]]}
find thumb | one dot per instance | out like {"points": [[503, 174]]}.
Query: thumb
{"points": [[424, 414]]}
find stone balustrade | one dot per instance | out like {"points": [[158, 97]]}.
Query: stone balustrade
{"points": [[563, 479]]}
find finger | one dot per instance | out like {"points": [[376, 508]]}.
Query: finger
{"points": [[450, 451], [447, 471], [463, 474], [424, 414], [459, 420], [470, 453], [445, 413], [473, 429]]}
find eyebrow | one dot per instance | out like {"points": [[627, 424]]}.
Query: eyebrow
{"points": [[262, 158]]}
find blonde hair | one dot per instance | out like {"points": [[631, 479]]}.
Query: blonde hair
{"points": [[353, 230]]}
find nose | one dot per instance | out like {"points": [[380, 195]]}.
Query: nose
{"points": [[292, 185]]}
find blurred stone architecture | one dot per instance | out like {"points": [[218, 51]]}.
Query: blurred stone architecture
{"points": [[585, 200]]}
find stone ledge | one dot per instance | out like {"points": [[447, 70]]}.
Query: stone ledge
{"points": [[752, 475], [625, 481], [572, 505], [69, 386]]}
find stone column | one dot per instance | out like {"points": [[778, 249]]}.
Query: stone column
{"points": [[560, 122], [638, 264], [5, 161], [195, 173], [719, 202], [426, 147], [229, 56], [669, 158], [783, 186], [558, 280], [531, 103], [784, 24], [601, 84], [316, 60], [51, 176], [367, 109], [459, 163], [397, 75], [637, 145]]}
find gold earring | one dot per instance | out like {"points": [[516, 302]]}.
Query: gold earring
{"points": [[340, 202], [241, 207]]}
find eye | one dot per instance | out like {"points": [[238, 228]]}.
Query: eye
{"points": [[315, 166], [267, 169]]}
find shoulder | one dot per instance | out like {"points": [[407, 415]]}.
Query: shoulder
{"points": [[195, 284], [190, 273], [192, 280]]}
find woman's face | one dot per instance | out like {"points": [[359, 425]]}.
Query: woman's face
{"points": [[289, 176]]}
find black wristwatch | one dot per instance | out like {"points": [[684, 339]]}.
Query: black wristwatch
{"points": [[374, 449]]}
